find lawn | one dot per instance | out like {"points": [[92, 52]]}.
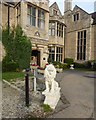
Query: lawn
{"points": [[12, 75]]}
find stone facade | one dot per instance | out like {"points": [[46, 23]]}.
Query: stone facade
{"points": [[77, 21], [56, 35], [53, 35]]}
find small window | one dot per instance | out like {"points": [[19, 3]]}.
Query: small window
{"points": [[52, 28], [54, 12], [76, 17], [41, 19], [60, 30], [31, 15]]}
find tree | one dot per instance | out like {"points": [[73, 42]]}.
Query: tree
{"points": [[18, 47]]}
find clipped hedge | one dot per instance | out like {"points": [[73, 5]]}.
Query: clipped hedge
{"points": [[79, 65], [88, 64], [68, 60]]}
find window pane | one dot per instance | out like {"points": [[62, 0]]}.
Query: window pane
{"points": [[42, 15], [39, 23], [39, 13], [29, 9], [61, 58], [42, 24], [84, 56], [53, 49], [85, 34], [53, 57], [74, 17], [49, 25], [57, 58], [78, 35], [33, 11], [28, 20], [33, 21], [78, 16], [53, 32], [84, 41], [53, 25], [80, 56], [49, 31], [84, 49]]}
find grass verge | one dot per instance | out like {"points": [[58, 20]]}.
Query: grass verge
{"points": [[12, 75]]}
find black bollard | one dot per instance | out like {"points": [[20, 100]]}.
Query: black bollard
{"points": [[27, 89]]}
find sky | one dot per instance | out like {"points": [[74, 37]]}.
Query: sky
{"points": [[87, 5]]}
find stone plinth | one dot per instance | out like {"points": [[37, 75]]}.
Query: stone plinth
{"points": [[52, 98], [52, 92]]}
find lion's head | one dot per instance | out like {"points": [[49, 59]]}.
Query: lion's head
{"points": [[50, 71]]}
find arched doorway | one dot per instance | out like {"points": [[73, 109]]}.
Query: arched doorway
{"points": [[35, 57]]}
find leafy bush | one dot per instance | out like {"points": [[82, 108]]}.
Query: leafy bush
{"points": [[18, 46], [60, 65], [68, 60], [79, 65], [56, 63], [64, 66], [88, 64], [50, 60], [9, 67]]}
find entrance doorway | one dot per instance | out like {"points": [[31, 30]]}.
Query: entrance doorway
{"points": [[35, 57]]}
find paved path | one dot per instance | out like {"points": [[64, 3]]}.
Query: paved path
{"points": [[79, 91]]}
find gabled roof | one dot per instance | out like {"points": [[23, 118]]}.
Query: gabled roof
{"points": [[55, 3], [76, 6]]}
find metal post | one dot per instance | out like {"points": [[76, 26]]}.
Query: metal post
{"points": [[35, 76], [27, 89]]}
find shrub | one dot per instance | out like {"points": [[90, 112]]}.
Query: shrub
{"points": [[94, 67], [79, 65], [64, 66], [10, 67], [18, 47], [56, 63], [50, 60], [68, 60], [88, 64]]}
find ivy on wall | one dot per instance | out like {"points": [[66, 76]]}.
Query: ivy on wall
{"points": [[18, 47]]}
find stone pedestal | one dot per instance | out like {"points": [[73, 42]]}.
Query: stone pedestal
{"points": [[72, 67], [52, 98], [52, 92]]}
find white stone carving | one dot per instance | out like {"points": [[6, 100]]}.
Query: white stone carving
{"points": [[52, 92]]}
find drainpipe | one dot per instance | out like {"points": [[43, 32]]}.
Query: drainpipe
{"points": [[8, 18], [64, 41]]}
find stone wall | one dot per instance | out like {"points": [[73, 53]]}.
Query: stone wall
{"points": [[72, 29], [5, 15]]}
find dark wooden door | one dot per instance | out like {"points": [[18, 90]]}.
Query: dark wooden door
{"points": [[38, 58]]}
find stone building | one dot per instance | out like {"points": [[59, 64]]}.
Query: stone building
{"points": [[33, 17], [56, 33], [52, 34], [80, 32]]}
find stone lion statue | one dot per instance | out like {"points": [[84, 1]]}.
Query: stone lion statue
{"points": [[52, 92], [50, 74]]}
